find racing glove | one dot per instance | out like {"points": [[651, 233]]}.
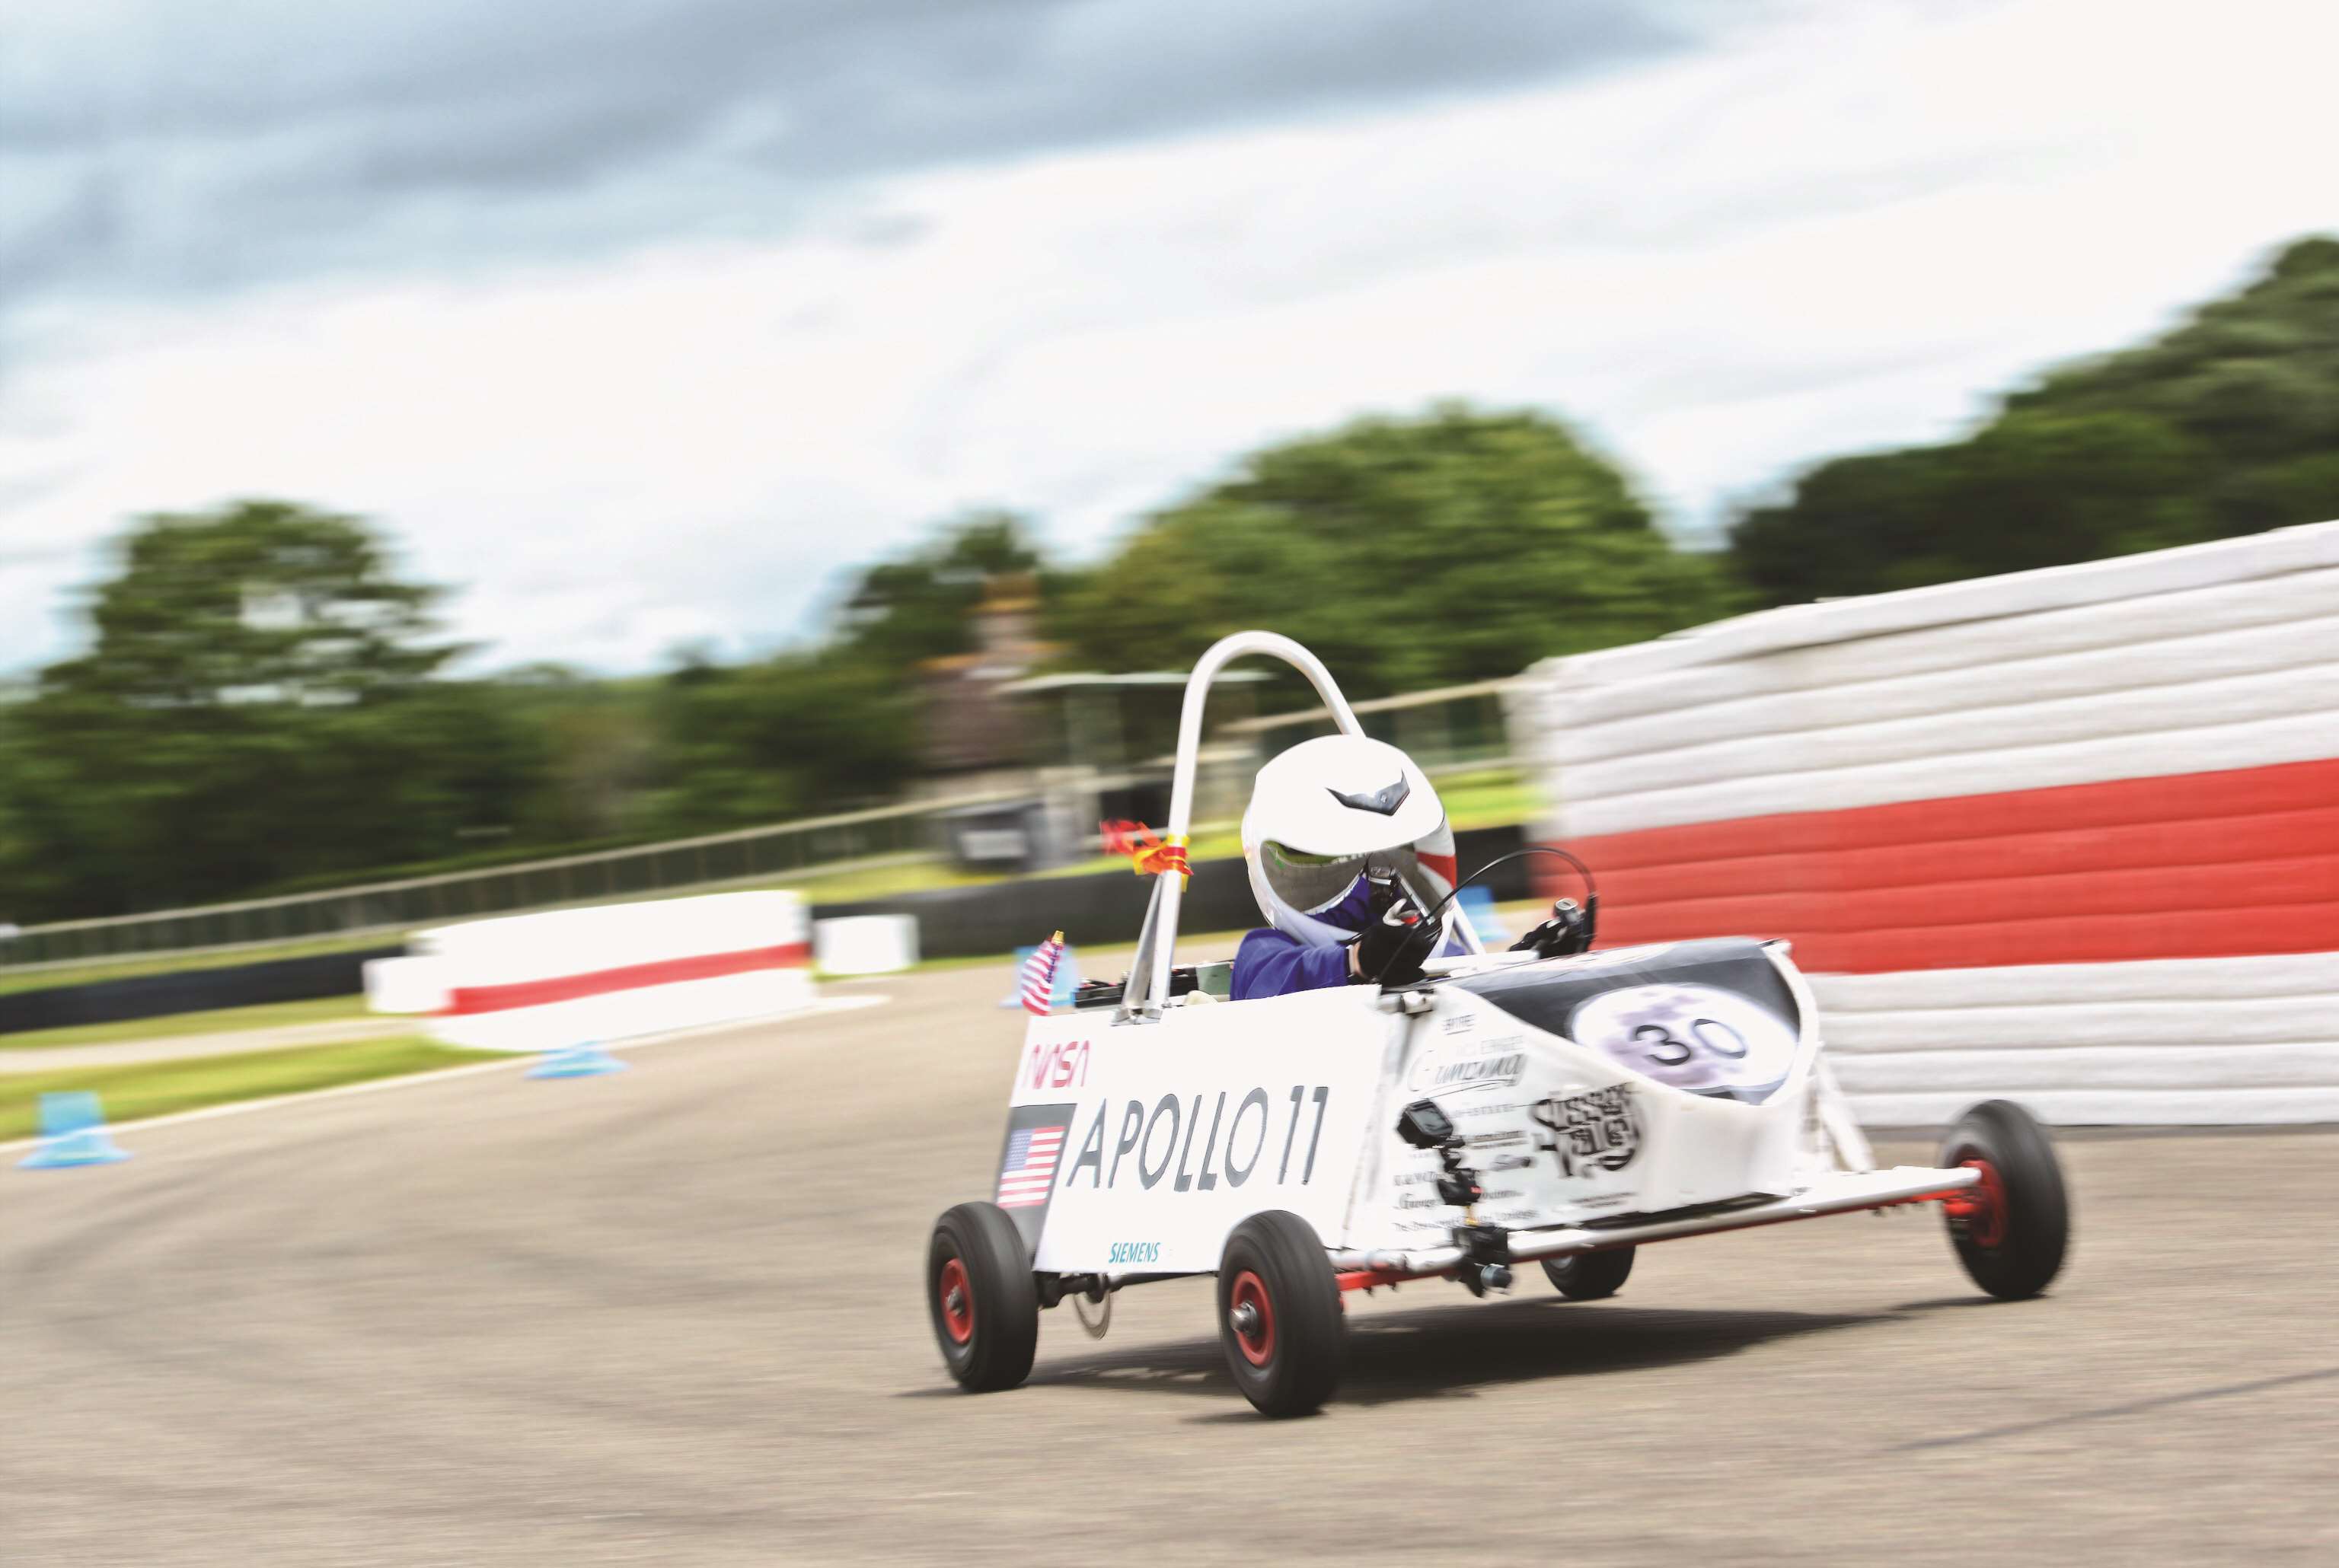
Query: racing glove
{"points": [[1568, 931], [1392, 948]]}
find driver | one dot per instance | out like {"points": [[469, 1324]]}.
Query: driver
{"points": [[1348, 847]]}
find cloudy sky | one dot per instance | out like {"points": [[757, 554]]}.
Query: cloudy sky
{"points": [[643, 320]]}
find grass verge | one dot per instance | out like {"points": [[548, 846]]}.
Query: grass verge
{"points": [[189, 1083], [272, 1015]]}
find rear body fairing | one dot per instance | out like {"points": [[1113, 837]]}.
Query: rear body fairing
{"points": [[1596, 1088]]}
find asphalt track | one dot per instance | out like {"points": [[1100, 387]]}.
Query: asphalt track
{"points": [[673, 1315]]}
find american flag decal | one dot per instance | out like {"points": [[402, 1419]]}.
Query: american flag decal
{"points": [[1030, 1165]]}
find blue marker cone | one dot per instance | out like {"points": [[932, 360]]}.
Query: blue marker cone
{"points": [[1060, 991], [1478, 907], [73, 1132], [585, 1060]]}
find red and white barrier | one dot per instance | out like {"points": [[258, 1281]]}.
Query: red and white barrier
{"points": [[541, 981], [2069, 835]]}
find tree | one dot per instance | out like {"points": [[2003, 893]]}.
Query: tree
{"points": [[2227, 426], [1461, 544], [800, 734], [256, 704], [919, 607], [819, 730], [259, 600]]}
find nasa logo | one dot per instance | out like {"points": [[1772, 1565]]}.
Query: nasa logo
{"points": [[1064, 1065]]}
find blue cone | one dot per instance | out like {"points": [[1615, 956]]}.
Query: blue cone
{"points": [[1060, 991], [73, 1132], [586, 1060]]}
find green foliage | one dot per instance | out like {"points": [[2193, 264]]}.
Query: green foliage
{"points": [[1407, 553], [798, 735], [903, 611], [811, 732], [2228, 425], [262, 600], [256, 704]]}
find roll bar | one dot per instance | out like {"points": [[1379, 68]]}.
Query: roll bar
{"points": [[1157, 942]]}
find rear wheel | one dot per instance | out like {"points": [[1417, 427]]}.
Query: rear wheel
{"points": [[1279, 1315], [2013, 1227], [1589, 1276], [982, 1296]]}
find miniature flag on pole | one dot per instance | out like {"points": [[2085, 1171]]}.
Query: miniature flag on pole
{"points": [[1040, 975]]}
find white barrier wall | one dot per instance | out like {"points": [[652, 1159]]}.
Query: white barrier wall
{"points": [[2071, 836], [865, 943], [565, 977]]}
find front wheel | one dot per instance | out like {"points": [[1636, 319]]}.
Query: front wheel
{"points": [[2012, 1227], [982, 1296], [1589, 1276], [1279, 1315]]}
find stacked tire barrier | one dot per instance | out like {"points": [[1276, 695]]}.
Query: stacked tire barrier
{"points": [[2071, 836]]}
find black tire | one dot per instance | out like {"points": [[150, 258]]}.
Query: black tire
{"points": [[1287, 1355], [982, 1297], [1589, 1276], [2012, 1236]]}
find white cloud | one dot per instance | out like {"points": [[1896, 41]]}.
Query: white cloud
{"points": [[1834, 234]]}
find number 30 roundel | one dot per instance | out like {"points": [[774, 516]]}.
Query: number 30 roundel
{"points": [[1699, 1038]]}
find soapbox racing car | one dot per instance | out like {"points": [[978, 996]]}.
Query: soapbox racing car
{"points": [[1508, 1108]]}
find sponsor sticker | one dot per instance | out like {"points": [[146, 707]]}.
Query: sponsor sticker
{"points": [[1446, 1067], [1598, 1131]]}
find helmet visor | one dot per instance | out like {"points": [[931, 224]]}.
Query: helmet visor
{"points": [[1312, 882]]}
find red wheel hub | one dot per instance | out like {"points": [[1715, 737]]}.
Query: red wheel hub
{"points": [[957, 1302], [1252, 1314], [1980, 1210]]}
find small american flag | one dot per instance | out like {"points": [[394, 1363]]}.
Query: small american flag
{"points": [[1031, 1165], [1040, 975]]}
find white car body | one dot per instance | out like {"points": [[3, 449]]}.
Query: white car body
{"points": [[1604, 1100]]}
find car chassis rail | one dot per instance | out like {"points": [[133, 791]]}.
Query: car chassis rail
{"points": [[1842, 1192]]}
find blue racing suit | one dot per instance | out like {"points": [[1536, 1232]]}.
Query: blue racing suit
{"points": [[1270, 962]]}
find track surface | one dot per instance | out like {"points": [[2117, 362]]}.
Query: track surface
{"points": [[673, 1315]]}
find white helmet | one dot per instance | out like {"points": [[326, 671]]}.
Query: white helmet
{"points": [[1324, 811]]}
